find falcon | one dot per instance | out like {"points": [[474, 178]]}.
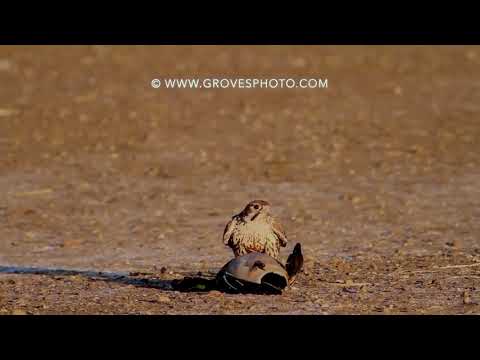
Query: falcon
{"points": [[255, 229]]}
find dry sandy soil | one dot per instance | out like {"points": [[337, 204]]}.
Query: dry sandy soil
{"points": [[109, 189]]}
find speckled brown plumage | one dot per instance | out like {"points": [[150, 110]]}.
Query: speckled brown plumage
{"points": [[255, 229]]}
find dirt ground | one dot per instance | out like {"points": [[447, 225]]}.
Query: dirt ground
{"points": [[110, 189]]}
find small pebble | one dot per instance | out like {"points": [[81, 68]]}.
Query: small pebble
{"points": [[19, 312], [163, 299]]}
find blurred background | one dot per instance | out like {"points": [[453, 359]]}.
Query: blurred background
{"points": [[100, 170]]}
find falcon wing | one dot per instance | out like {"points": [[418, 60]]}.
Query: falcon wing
{"points": [[280, 233], [228, 232]]}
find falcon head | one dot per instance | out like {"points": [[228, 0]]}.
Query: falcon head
{"points": [[256, 208]]}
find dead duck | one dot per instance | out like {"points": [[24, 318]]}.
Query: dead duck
{"points": [[260, 273]]}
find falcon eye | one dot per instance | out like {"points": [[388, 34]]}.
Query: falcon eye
{"points": [[256, 207]]}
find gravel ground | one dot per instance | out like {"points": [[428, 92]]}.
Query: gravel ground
{"points": [[110, 189]]}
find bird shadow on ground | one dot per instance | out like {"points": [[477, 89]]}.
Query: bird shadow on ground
{"points": [[145, 280]]}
